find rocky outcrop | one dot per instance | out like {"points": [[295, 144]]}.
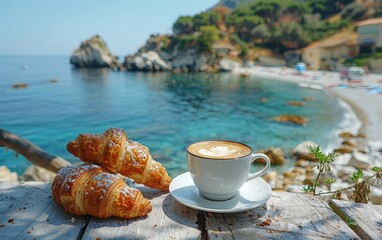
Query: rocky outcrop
{"points": [[146, 61], [155, 56], [228, 65], [7, 175], [36, 173], [93, 53]]}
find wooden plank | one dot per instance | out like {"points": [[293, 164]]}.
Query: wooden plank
{"points": [[168, 220], [284, 216], [367, 218], [28, 211]]}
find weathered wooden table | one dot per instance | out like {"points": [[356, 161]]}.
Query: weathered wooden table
{"points": [[28, 211]]}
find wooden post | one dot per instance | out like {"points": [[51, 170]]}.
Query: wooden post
{"points": [[31, 151]]}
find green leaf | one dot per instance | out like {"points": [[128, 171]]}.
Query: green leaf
{"points": [[376, 169], [357, 175], [307, 189], [330, 180], [350, 221]]}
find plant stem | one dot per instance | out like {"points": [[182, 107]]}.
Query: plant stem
{"points": [[316, 182], [343, 189]]}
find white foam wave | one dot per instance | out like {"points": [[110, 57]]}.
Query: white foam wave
{"points": [[350, 123]]}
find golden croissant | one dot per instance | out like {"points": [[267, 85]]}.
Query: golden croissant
{"points": [[114, 152], [89, 190]]}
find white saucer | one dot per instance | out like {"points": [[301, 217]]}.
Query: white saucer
{"points": [[252, 194]]}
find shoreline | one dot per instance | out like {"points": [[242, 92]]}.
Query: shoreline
{"points": [[366, 106]]}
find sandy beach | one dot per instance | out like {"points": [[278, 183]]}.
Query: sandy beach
{"points": [[364, 98]]}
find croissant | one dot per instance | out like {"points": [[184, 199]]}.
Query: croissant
{"points": [[113, 151], [89, 190]]}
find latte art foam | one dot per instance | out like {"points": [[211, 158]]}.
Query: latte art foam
{"points": [[219, 149]]}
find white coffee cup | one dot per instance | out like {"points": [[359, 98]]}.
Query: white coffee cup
{"points": [[219, 168]]}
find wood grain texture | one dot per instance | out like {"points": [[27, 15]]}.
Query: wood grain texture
{"points": [[285, 216], [168, 220], [367, 218], [27, 211]]}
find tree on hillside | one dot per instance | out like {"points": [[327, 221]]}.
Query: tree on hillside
{"points": [[269, 10], [183, 25], [189, 25], [223, 13], [354, 11], [272, 10], [207, 35], [261, 33], [206, 19], [244, 21], [233, 4], [292, 35], [328, 7]]}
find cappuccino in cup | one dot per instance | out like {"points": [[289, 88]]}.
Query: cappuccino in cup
{"points": [[219, 149], [220, 167]]}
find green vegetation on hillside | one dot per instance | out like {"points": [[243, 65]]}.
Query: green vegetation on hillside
{"points": [[364, 59], [278, 25]]}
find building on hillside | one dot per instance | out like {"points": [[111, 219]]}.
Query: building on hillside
{"points": [[326, 54], [292, 57], [369, 35]]}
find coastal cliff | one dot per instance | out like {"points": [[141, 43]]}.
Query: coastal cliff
{"points": [[166, 53], [236, 33], [93, 53]]}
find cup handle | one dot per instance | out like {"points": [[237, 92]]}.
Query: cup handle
{"points": [[262, 171]]}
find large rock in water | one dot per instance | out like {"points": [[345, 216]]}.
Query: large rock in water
{"points": [[93, 53], [146, 61], [292, 119]]}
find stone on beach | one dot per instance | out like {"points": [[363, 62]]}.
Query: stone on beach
{"points": [[349, 142], [376, 195], [346, 135], [301, 151], [342, 159], [360, 160], [36, 173], [7, 175], [344, 172], [342, 150], [275, 155]]}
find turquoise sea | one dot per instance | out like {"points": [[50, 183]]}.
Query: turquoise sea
{"points": [[163, 111]]}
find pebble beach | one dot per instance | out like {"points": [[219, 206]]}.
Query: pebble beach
{"points": [[364, 97]]}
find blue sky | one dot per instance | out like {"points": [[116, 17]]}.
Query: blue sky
{"points": [[52, 27]]}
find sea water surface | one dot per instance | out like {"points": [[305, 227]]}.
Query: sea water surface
{"points": [[163, 111]]}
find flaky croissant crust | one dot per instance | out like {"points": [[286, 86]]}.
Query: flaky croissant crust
{"points": [[89, 190], [115, 152]]}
